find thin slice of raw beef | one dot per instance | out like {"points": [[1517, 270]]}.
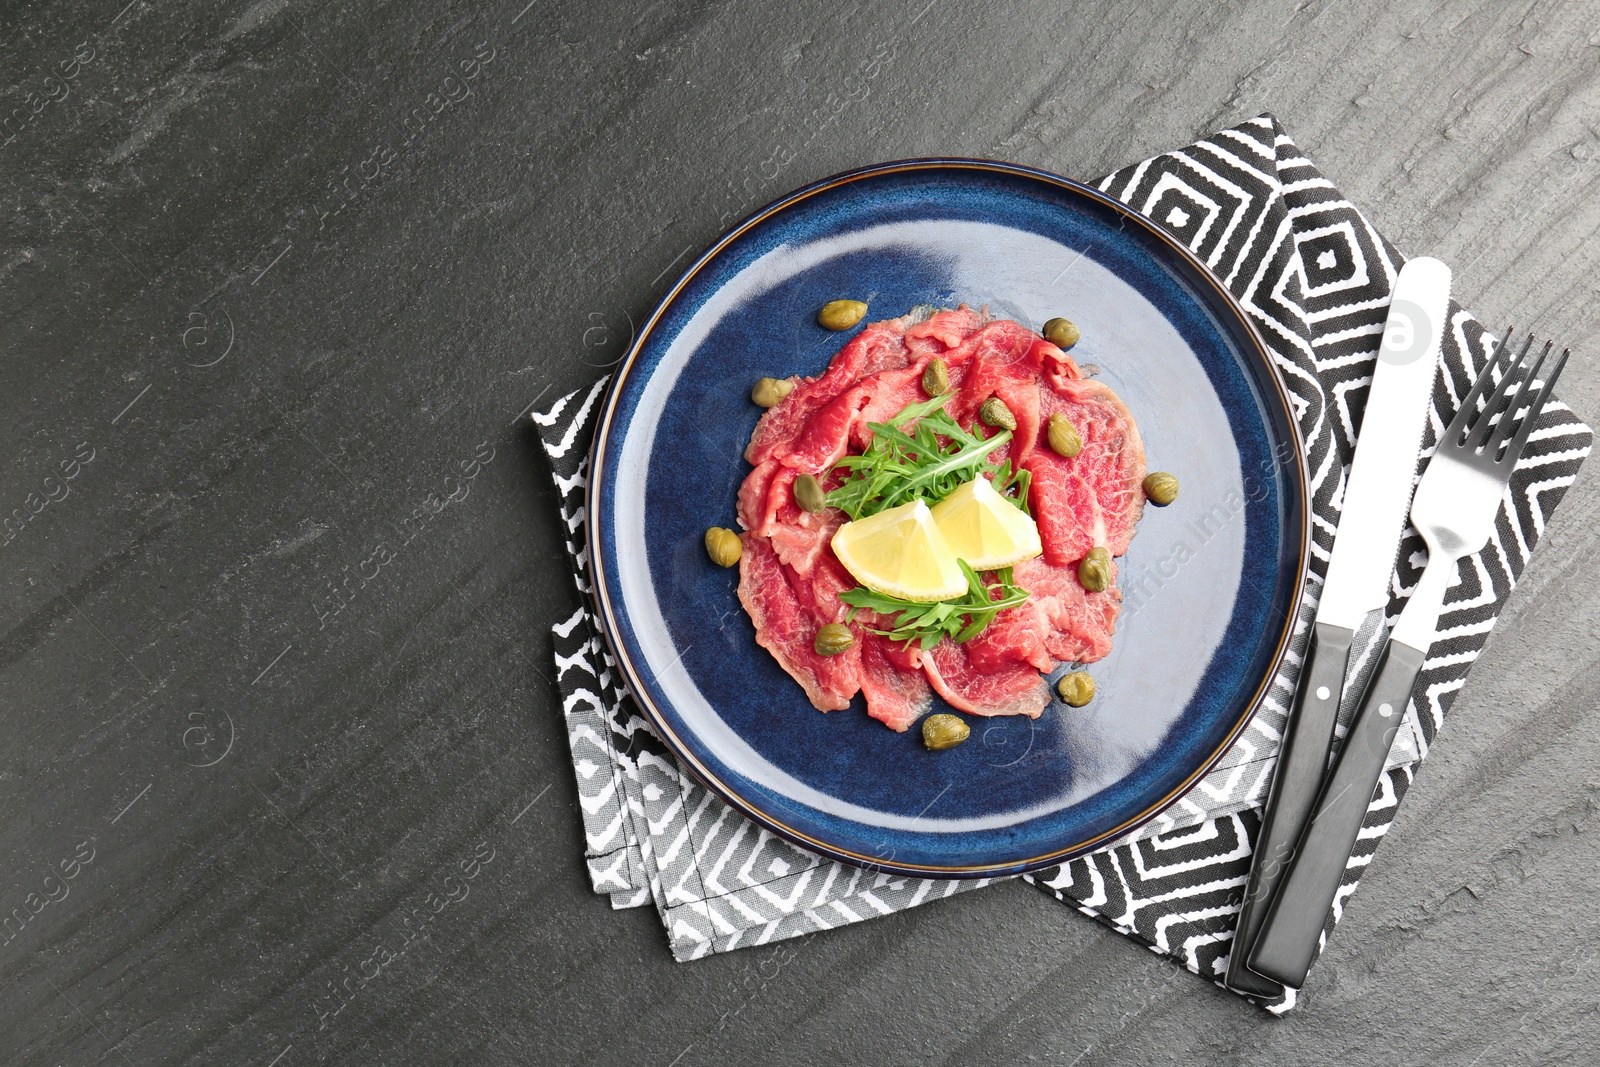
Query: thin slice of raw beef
{"points": [[999, 365], [887, 395], [1078, 624], [947, 328], [752, 505], [878, 346], [786, 625], [1017, 635], [767, 508], [1094, 498], [896, 696], [1017, 688], [889, 377]]}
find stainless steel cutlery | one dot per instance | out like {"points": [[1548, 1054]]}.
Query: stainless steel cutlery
{"points": [[1372, 517], [1454, 510]]}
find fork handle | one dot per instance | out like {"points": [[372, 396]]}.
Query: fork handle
{"points": [[1296, 781], [1295, 920]]}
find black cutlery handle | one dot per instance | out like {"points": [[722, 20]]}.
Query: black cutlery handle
{"points": [[1296, 781], [1288, 940]]}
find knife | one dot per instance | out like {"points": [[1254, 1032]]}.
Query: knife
{"points": [[1371, 519]]}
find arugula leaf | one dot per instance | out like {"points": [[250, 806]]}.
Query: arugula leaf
{"points": [[922, 454], [960, 619], [1005, 481]]}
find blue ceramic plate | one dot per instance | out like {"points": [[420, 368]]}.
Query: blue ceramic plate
{"points": [[1210, 583]]}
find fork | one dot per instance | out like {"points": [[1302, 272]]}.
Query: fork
{"points": [[1454, 509]]}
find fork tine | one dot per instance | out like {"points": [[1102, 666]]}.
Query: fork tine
{"points": [[1515, 448], [1469, 403], [1479, 436], [1508, 420]]}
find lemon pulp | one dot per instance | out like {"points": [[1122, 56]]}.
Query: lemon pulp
{"points": [[984, 528], [901, 552]]}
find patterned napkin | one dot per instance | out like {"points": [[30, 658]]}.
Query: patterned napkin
{"points": [[1315, 277]]}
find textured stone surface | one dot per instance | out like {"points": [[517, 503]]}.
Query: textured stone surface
{"points": [[284, 279]]}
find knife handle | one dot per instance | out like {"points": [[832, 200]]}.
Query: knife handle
{"points": [[1296, 781], [1289, 938]]}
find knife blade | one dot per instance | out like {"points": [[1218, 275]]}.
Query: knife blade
{"points": [[1378, 491], [1372, 516]]}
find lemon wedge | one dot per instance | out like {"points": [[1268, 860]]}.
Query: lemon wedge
{"points": [[901, 552], [984, 528]]}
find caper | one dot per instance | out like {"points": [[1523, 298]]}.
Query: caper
{"points": [[833, 639], [1094, 570], [1161, 488], [1062, 333], [994, 413], [723, 546], [808, 493], [841, 314], [769, 391], [1077, 688], [936, 378], [944, 731], [1064, 439]]}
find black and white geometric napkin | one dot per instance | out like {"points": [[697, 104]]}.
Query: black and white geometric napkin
{"points": [[652, 833], [1315, 277]]}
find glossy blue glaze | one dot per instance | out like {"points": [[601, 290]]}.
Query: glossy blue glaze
{"points": [[1202, 629]]}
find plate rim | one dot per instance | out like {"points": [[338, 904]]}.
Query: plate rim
{"points": [[601, 602]]}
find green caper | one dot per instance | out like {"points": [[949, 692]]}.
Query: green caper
{"points": [[1064, 439], [1094, 570], [769, 391], [944, 731], [841, 314], [833, 639], [1062, 333], [1161, 488], [808, 493], [994, 413], [936, 379], [1077, 688], [723, 546]]}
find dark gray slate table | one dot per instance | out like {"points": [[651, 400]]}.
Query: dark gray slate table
{"points": [[268, 279]]}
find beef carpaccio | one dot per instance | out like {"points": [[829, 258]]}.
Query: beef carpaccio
{"points": [[790, 580]]}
